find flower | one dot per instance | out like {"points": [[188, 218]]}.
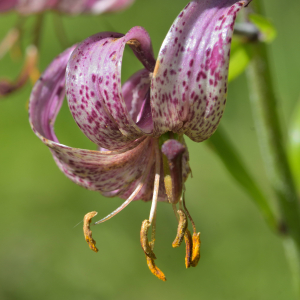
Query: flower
{"points": [[64, 6], [139, 127], [29, 7]]}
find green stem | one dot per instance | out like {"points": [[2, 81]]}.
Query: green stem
{"points": [[37, 29], [271, 140], [293, 258]]}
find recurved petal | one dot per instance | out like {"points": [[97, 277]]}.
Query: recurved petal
{"points": [[136, 94], [189, 85], [104, 171], [47, 96], [102, 6], [94, 90]]}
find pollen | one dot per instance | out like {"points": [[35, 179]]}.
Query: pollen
{"points": [[144, 239], [182, 226], [87, 231], [196, 249], [154, 269], [188, 248]]}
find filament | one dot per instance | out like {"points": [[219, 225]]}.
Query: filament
{"points": [[156, 183]]}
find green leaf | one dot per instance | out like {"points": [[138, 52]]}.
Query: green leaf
{"points": [[265, 26], [294, 145], [239, 59], [229, 155]]}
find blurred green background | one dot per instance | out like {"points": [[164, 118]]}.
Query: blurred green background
{"points": [[42, 254]]}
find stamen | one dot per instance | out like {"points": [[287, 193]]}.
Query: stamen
{"points": [[156, 183], [175, 211], [188, 248], [182, 226], [153, 232], [87, 232], [196, 242], [125, 203], [155, 270], [144, 239], [188, 213], [196, 249]]}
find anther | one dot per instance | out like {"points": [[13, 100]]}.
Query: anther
{"points": [[87, 232], [196, 249], [188, 248], [182, 226], [144, 239], [154, 269]]}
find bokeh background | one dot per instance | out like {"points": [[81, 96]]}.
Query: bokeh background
{"points": [[42, 254]]}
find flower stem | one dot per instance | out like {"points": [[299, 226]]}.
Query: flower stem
{"points": [[271, 140]]}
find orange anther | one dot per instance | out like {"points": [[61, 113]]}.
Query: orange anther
{"points": [[154, 269], [144, 239], [182, 226], [87, 232], [188, 248], [196, 249]]}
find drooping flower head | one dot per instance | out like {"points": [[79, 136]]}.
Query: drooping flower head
{"points": [[139, 126], [29, 7]]}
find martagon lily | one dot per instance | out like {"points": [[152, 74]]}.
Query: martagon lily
{"points": [[139, 126]]}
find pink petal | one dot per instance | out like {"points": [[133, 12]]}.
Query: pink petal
{"points": [[94, 90], [104, 171], [189, 85]]}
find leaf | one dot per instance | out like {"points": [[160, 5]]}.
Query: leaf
{"points": [[265, 26], [239, 59], [293, 148]]}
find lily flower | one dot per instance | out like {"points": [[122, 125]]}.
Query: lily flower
{"points": [[63, 6], [28, 7], [139, 127]]}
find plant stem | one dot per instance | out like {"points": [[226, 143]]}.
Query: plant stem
{"points": [[293, 259], [37, 29], [271, 140]]}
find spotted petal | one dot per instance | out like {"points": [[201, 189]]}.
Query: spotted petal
{"points": [[94, 90], [104, 171], [189, 85]]}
